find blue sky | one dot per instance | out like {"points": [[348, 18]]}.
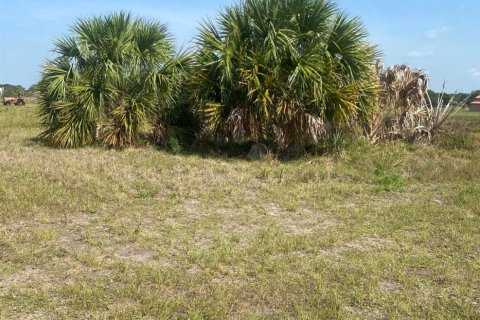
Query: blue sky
{"points": [[440, 36]]}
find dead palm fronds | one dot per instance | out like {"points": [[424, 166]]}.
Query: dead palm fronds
{"points": [[405, 109], [403, 88]]}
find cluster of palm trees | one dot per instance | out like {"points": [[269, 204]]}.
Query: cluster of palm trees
{"points": [[283, 72]]}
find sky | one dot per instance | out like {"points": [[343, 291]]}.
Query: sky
{"points": [[440, 36]]}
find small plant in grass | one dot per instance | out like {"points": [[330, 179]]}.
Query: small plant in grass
{"points": [[338, 144], [389, 182], [146, 190], [386, 176]]}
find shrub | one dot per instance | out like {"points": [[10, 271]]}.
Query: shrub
{"points": [[285, 72], [111, 79]]}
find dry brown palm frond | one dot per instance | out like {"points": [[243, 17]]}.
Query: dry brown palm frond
{"points": [[374, 127], [405, 111], [301, 128], [404, 88], [411, 114], [115, 137], [241, 124], [158, 134]]}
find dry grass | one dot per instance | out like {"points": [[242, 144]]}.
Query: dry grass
{"points": [[388, 231]]}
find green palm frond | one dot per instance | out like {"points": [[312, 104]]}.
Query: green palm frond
{"points": [[115, 73], [280, 66]]}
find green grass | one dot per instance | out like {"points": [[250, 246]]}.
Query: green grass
{"points": [[384, 232], [469, 116]]}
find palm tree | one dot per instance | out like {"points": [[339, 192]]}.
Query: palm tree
{"points": [[283, 71], [111, 79]]}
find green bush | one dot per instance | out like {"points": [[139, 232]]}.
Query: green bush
{"points": [[112, 78], [285, 72]]}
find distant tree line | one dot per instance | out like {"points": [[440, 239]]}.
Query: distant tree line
{"points": [[11, 90], [458, 98]]}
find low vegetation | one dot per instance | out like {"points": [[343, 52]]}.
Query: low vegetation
{"points": [[371, 231]]}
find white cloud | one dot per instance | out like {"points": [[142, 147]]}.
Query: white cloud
{"points": [[435, 33], [474, 72], [420, 54]]}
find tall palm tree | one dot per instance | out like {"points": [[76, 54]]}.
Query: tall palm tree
{"points": [[283, 71], [111, 78]]}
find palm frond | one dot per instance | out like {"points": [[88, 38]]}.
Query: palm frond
{"points": [[269, 69], [115, 74]]}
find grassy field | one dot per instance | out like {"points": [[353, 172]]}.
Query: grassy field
{"points": [[384, 232]]}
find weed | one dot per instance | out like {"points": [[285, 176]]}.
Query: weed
{"points": [[386, 177]]}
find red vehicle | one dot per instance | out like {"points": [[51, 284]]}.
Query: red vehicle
{"points": [[8, 101]]}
